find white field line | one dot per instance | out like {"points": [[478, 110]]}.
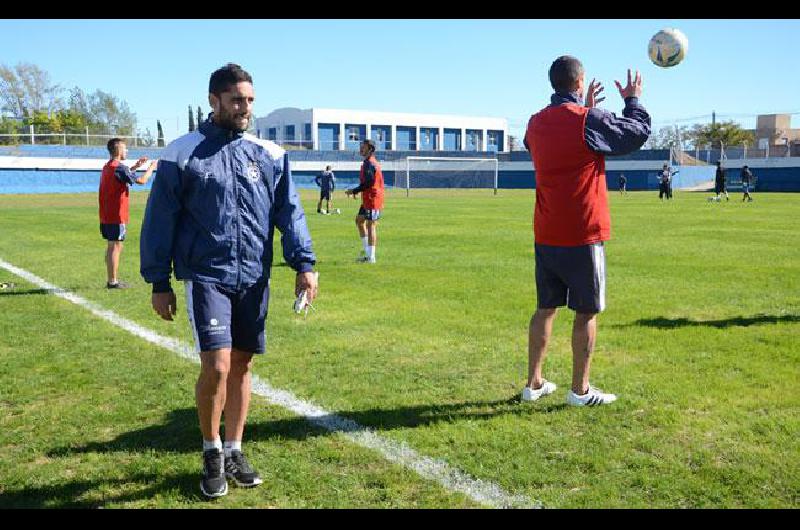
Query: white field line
{"points": [[481, 491]]}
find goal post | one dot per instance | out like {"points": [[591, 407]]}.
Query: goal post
{"points": [[449, 172]]}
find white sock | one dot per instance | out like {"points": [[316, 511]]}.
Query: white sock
{"points": [[232, 446], [365, 242], [371, 252], [213, 444]]}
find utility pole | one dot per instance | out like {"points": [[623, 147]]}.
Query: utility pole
{"points": [[713, 118]]}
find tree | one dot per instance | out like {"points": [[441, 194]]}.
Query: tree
{"points": [[199, 116], [26, 89], [668, 137], [512, 142], [109, 115], [728, 133], [191, 119], [160, 140], [146, 139]]}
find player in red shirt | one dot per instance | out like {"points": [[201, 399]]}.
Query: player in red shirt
{"points": [[114, 209], [568, 141], [371, 189]]}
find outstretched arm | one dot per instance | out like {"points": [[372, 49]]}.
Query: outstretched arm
{"points": [[144, 178], [609, 134]]}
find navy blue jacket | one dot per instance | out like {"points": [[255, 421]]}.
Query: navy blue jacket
{"points": [[216, 200], [326, 181], [605, 132]]}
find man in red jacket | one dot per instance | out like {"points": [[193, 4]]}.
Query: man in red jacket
{"points": [[371, 189], [568, 142], [114, 209]]}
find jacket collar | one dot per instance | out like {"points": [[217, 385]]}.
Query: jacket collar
{"points": [[559, 98], [212, 130]]}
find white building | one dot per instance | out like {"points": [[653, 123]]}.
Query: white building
{"points": [[339, 129]]}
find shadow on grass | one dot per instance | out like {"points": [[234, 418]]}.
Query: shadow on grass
{"points": [[181, 433], [671, 323], [13, 292], [135, 487]]}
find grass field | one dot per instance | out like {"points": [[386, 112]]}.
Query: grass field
{"points": [[429, 348]]}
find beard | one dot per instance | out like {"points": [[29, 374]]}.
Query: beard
{"points": [[231, 122]]}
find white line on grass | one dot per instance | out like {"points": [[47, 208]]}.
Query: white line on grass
{"points": [[481, 491]]}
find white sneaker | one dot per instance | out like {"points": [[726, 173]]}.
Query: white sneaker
{"points": [[594, 396], [529, 394]]}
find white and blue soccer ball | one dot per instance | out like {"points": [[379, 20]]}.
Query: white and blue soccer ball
{"points": [[668, 48]]}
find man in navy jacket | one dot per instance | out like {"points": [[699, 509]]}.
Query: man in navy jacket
{"points": [[211, 216]]}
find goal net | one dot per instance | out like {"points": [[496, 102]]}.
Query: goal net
{"points": [[447, 172]]}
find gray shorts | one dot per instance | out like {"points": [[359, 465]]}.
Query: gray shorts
{"points": [[571, 276]]}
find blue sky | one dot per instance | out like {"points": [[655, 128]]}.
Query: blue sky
{"points": [[738, 68]]}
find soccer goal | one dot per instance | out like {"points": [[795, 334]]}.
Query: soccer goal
{"points": [[447, 172]]}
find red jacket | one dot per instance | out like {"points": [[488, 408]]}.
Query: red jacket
{"points": [[571, 197], [113, 195]]}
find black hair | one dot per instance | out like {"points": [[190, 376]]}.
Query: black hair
{"points": [[564, 73], [112, 145], [370, 143], [224, 77]]}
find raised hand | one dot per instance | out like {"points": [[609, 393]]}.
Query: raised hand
{"points": [[634, 89], [592, 92]]}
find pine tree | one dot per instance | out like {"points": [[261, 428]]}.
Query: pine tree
{"points": [[160, 141], [199, 116], [191, 119]]}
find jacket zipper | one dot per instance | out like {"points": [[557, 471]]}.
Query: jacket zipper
{"points": [[232, 164]]}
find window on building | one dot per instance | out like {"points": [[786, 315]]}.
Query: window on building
{"points": [[380, 135], [352, 134]]}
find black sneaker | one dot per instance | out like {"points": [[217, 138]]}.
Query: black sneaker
{"points": [[213, 483], [117, 285], [238, 468]]}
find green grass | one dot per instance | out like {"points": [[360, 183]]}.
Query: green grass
{"points": [[429, 346]]}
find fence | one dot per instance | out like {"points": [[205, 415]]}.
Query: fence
{"points": [[29, 134]]}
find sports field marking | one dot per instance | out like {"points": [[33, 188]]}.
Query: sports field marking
{"points": [[481, 491]]}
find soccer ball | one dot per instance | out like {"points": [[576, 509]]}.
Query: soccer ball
{"points": [[668, 47]]}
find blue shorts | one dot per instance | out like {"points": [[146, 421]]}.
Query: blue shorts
{"points": [[223, 318], [745, 188], [369, 215], [113, 232], [325, 194], [571, 276]]}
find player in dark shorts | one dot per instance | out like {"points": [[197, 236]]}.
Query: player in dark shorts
{"points": [[623, 181], [210, 218], [372, 190], [747, 180], [115, 181], [568, 141], [327, 183], [720, 186]]}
